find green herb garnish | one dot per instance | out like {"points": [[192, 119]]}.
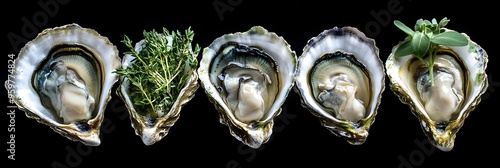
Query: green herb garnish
{"points": [[159, 70], [424, 41]]}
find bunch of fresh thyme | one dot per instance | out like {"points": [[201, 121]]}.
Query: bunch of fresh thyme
{"points": [[159, 70]]}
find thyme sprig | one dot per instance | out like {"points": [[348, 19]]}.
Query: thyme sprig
{"points": [[159, 70], [424, 41]]}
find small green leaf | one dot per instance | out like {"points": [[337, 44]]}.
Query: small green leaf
{"points": [[420, 44], [432, 28], [450, 38], [418, 25], [434, 22], [427, 22], [443, 22], [404, 49], [428, 32], [403, 27]]}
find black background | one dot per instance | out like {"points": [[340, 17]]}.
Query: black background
{"points": [[199, 140]]}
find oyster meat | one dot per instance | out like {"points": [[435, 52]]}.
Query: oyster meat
{"points": [[459, 81], [63, 78], [248, 75], [340, 79]]}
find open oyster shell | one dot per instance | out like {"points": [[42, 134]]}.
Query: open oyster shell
{"points": [[460, 80], [247, 76], [63, 79], [152, 130], [340, 79]]}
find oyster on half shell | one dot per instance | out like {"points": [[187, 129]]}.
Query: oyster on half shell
{"points": [[247, 76], [63, 78], [459, 81], [152, 128], [340, 79]]}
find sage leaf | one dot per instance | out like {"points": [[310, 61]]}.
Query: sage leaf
{"points": [[403, 27], [427, 22], [418, 25], [450, 38], [404, 49], [420, 44], [434, 21], [443, 22]]}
